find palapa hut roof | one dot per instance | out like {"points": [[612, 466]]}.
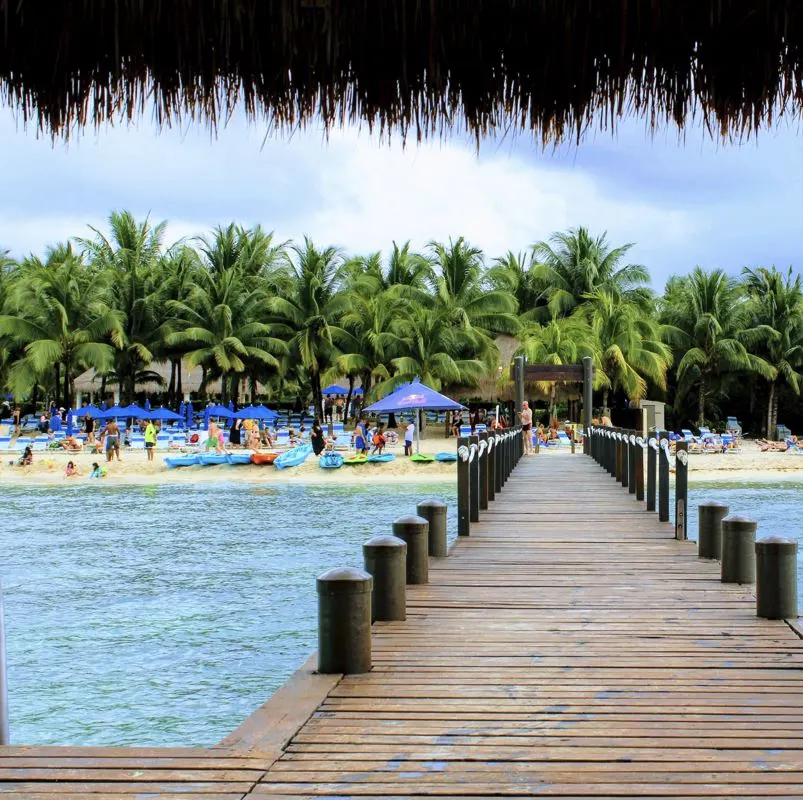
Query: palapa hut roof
{"points": [[418, 67]]}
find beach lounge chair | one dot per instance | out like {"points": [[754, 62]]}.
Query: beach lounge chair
{"points": [[41, 443], [688, 436], [5, 442], [465, 430], [283, 438], [705, 432], [162, 440], [563, 438], [732, 425], [793, 446], [137, 441], [732, 443], [21, 443]]}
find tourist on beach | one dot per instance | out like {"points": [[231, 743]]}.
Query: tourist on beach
{"points": [[150, 439], [360, 438], [17, 417], [526, 416], [71, 470], [89, 429], [110, 437], [316, 437], [235, 434], [71, 443], [213, 438], [457, 422], [379, 440], [97, 471], [26, 459], [254, 438], [328, 407], [409, 436]]}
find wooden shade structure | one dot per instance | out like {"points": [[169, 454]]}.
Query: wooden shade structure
{"points": [[416, 67]]}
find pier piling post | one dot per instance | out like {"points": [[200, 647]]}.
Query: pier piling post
{"points": [[483, 467], [463, 516], [491, 471], [738, 550], [474, 480], [652, 443], [625, 441], [709, 529], [631, 463], [639, 448], [776, 578], [499, 460], [663, 477], [681, 490], [434, 512], [386, 561], [414, 531], [344, 621], [617, 438]]}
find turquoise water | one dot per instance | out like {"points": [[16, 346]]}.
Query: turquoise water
{"points": [[166, 615], [776, 506]]}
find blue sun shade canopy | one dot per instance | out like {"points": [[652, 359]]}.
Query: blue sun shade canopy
{"points": [[412, 396]]}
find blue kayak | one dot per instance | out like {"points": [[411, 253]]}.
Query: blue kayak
{"points": [[208, 459], [292, 458], [181, 461], [238, 458], [381, 459], [330, 461], [445, 456]]}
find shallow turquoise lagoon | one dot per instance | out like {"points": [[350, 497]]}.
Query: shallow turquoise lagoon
{"points": [[166, 615]]}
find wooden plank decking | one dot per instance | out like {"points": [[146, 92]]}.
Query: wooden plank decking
{"points": [[570, 648]]}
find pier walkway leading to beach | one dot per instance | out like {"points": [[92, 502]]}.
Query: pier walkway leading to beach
{"points": [[571, 647]]}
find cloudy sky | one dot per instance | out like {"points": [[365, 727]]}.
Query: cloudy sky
{"points": [[681, 202]]}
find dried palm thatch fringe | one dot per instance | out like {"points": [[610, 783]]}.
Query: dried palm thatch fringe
{"points": [[417, 67]]}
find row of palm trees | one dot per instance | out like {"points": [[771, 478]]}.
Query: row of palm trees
{"points": [[245, 307]]}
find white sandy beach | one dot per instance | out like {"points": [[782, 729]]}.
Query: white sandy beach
{"points": [[48, 468]]}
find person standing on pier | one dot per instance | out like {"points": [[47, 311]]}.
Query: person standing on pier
{"points": [[526, 416]]}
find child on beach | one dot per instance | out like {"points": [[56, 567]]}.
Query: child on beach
{"points": [[71, 470], [97, 471], [378, 440], [26, 459]]}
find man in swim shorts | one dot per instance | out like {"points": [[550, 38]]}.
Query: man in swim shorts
{"points": [[360, 439]]}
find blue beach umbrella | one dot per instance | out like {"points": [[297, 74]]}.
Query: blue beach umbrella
{"points": [[255, 412], [335, 389], [190, 412], [115, 412], [181, 409], [415, 396], [147, 405], [164, 414], [218, 411], [69, 422], [231, 406], [135, 411], [93, 411], [103, 406]]}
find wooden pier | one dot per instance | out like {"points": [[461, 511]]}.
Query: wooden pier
{"points": [[570, 647]]}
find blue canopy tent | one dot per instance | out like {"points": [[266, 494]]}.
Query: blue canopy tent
{"points": [[93, 411], [231, 406], [115, 412], [255, 412], [135, 411], [165, 415], [190, 412], [147, 405], [69, 422], [417, 397], [335, 389], [216, 411]]}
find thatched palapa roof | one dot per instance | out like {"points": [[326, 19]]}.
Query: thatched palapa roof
{"points": [[414, 66]]}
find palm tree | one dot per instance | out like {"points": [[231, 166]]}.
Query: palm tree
{"points": [[561, 341], [710, 323], [776, 307], [573, 264], [513, 273], [131, 255], [58, 315], [308, 315], [219, 330], [631, 344]]}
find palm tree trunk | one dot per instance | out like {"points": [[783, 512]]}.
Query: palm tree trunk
{"points": [[171, 387], [57, 387], [701, 403], [102, 389], [68, 379], [179, 388], [348, 401], [317, 397]]}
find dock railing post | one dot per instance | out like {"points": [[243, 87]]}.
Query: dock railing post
{"points": [[610, 451], [738, 550], [386, 561], [414, 530], [344, 621], [435, 512], [483, 467], [463, 487], [652, 472], [499, 461], [663, 477], [625, 457], [709, 529], [776, 578], [588, 379], [639, 448], [491, 471], [5, 735], [617, 438], [681, 490], [474, 480], [631, 461]]}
